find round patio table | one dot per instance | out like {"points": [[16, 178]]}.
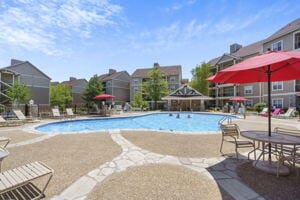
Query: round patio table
{"points": [[275, 138]]}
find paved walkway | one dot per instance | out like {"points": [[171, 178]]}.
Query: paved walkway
{"points": [[221, 170]]}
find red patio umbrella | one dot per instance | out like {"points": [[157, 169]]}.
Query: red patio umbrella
{"points": [[103, 97], [211, 78], [240, 99], [268, 67]]}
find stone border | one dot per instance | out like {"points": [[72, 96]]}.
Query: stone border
{"points": [[32, 129], [31, 141], [222, 170]]}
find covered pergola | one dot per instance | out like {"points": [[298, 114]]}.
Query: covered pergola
{"points": [[186, 98]]}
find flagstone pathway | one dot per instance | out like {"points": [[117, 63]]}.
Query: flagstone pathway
{"points": [[221, 170]]}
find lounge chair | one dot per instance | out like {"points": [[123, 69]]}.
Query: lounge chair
{"points": [[4, 140], [264, 111], [17, 183], [4, 122], [3, 151], [289, 153], [70, 113], [56, 113], [22, 117], [233, 131], [288, 114], [275, 113]]}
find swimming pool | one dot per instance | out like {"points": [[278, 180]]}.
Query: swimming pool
{"points": [[190, 122]]}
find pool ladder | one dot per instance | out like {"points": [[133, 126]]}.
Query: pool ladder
{"points": [[224, 119]]}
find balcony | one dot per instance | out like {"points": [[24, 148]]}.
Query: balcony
{"points": [[226, 95], [225, 85]]}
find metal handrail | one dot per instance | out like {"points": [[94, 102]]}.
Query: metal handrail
{"points": [[224, 118]]}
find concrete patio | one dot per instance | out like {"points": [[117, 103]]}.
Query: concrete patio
{"points": [[108, 164]]}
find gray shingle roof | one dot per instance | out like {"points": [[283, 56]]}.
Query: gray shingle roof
{"points": [[74, 82], [106, 77], [249, 49], [290, 27], [23, 62], [167, 70], [257, 46], [214, 61]]}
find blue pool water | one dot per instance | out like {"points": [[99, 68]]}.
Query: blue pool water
{"points": [[159, 121]]}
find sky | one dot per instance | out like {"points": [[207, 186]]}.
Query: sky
{"points": [[81, 38]]}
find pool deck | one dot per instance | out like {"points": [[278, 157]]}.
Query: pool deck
{"points": [[135, 153]]}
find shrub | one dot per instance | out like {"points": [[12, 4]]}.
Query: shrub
{"points": [[259, 106], [217, 108]]}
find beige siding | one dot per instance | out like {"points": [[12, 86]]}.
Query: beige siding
{"points": [[287, 43], [288, 87]]}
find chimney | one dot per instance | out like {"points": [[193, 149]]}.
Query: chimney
{"points": [[112, 71], [235, 47], [72, 78], [155, 65], [15, 62]]}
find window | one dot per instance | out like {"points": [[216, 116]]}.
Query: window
{"points": [[249, 103], [278, 103], [297, 40], [136, 89], [277, 86], [248, 89], [135, 81], [277, 46], [172, 79], [172, 87]]}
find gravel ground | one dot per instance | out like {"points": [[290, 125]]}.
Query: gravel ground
{"points": [[269, 186], [18, 135], [71, 156], [157, 182], [181, 145]]}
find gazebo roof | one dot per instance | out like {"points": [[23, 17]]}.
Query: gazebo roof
{"points": [[186, 92]]}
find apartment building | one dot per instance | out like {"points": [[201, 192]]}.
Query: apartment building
{"points": [[117, 84], [284, 94], [28, 74], [77, 88], [173, 75]]}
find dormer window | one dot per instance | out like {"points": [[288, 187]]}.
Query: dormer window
{"points": [[277, 46], [297, 40]]}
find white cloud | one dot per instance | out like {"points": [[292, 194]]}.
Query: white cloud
{"points": [[42, 24], [191, 2], [175, 35], [238, 22], [178, 6]]}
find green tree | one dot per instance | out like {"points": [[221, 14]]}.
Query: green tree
{"points": [[92, 89], [61, 96], [200, 74], [138, 101], [18, 93], [260, 106], [156, 86]]}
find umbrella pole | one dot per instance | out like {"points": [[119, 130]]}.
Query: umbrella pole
{"points": [[269, 107]]}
